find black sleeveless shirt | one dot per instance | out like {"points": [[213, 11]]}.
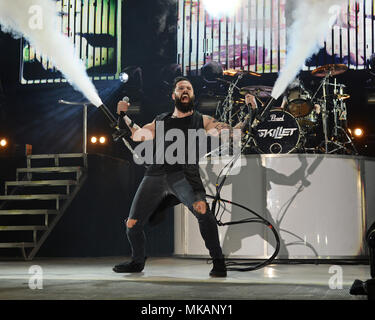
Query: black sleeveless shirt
{"points": [[165, 121], [190, 170]]}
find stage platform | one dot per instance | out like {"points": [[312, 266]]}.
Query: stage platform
{"points": [[175, 279], [320, 205]]}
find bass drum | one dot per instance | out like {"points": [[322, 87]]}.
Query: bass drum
{"points": [[278, 133]]}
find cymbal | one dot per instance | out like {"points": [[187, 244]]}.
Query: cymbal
{"points": [[329, 70], [239, 101], [234, 72], [258, 91], [343, 96]]}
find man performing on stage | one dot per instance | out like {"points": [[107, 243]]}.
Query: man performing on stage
{"points": [[176, 182]]}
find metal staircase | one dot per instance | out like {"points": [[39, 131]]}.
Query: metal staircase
{"points": [[34, 203]]}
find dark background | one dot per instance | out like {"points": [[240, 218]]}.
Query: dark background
{"points": [[94, 223], [30, 114]]}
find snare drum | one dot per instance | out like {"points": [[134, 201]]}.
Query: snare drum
{"points": [[278, 133], [299, 104]]}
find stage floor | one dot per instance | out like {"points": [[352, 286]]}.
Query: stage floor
{"points": [[174, 279]]}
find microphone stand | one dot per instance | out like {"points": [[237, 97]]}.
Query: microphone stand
{"points": [[120, 131], [84, 140]]}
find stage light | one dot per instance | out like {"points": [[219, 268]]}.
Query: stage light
{"points": [[132, 76], [3, 143], [211, 71], [169, 72], [102, 140], [95, 140], [124, 77], [358, 132], [219, 8]]}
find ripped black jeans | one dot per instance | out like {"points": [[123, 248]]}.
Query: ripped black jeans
{"points": [[150, 193]]}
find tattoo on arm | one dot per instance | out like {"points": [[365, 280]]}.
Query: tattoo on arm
{"points": [[217, 128], [222, 126]]}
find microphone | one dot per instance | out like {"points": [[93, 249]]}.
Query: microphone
{"points": [[121, 121], [125, 99]]}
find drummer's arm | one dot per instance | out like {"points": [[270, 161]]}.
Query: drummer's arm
{"points": [[317, 108], [250, 100]]}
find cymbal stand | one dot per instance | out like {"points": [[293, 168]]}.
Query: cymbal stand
{"points": [[340, 115], [342, 145], [226, 116], [335, 110], [325, 87]]}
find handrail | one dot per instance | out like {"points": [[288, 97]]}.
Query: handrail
{"points": [[84, 142]]}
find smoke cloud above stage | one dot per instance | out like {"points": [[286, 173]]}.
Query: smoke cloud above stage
{"points": [[312, 20], [36, 21]]}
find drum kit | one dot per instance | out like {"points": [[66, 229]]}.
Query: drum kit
{"points": [[306, 122]]}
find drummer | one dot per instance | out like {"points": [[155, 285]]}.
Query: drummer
{"points": [[297, 84], [251, 101], [316, 108]]}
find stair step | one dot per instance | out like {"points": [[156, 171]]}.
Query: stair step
{"points": [[55, 176], [17, 245], [26, 212], [49, 169], [41, 183], [22, 228], [52, 156], [35, 197]]}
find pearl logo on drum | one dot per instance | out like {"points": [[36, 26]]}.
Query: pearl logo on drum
{"points": [[275, 118]]}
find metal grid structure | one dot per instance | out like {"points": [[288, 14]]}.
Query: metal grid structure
{"points": [[351, 40], [255, 37], [94, 27]]}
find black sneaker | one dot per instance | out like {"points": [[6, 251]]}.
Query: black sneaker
{"points": [[219, 269], [129, 267]]}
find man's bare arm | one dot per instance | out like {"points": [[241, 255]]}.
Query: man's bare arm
{"points": [[147, 132], [214, 127]]}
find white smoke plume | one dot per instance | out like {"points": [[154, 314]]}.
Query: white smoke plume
{"points": [[37, 21], [312, 20]]}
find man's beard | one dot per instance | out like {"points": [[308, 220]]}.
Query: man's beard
{"points": [[183, 106]]}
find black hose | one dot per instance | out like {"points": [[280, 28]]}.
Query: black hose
{"points": [[259, 219]]}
